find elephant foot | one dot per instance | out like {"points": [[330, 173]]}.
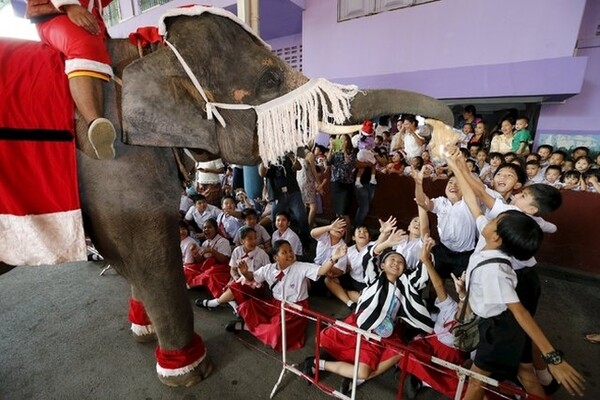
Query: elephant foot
{"points": [[183, 367], [197, 375]]}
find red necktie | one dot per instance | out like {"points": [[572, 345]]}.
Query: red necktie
{"points": [[278, 278]]}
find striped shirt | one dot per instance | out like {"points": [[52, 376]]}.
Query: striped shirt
{"points": [[376, 299]]}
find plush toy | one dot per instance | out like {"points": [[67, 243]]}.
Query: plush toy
{"points": [[442, 136]]}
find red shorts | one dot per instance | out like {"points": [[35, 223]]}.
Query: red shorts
{"points": [[85, 54]]}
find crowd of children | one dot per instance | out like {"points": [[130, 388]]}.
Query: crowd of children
{"points": [[490, 226]]}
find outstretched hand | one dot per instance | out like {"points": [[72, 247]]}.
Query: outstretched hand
{"points": [[388, 225], [81, 17], [338, 225], [339, 252], [568, 376], [242, 267], [459, 283], [396, 237], [428, 244]]}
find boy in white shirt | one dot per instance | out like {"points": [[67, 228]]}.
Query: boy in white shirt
{"points": [[505, 322], [284, 232]]}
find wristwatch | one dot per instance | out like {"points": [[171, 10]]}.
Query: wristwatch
{"points": [[555, 357]]}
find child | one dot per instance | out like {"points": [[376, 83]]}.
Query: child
{"points": [[235, 292], [493, 297], [397, 164], [250, 217], [287, 280], [487, 174], [558, 158], [583, 164], [329, 238], [572, 180], [591, 181], [243, 201], [201, 213], [365, 143], [391, 293], [533, 169], [552, 176], [284, 232], [187, 244], [212, 259], [522, 138], [456, 228], [228, 220], [545, 151], [416, 163], [441, 343], [481, 160]]}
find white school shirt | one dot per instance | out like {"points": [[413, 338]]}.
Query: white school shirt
{"points": [[456, 225], [355, 262], [185, 203], [445, 320], [498, 208], [220, 244], [411, 251], [291, 237], [261, 234], [255, 259], [325, 249], [230, 223], [200, 218], [293, 284], [186, 250]]}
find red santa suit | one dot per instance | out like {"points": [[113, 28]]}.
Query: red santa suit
{"points": [[85, 54]]}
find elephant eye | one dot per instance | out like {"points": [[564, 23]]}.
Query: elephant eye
{"points": [[270, 80]]}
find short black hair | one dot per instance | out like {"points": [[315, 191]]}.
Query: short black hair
{"points": [[572, 174], [546, 198], [584, 148], [245, 230], [546, 146], [284, 214], [200, 197], [526, 119], [495, 154], [533, 162], [470, 109], [517, 169], [277, 245], [246, 212], [554, 167], [521, 235], [562, 153]]}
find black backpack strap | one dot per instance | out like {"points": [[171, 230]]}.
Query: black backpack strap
{"points": [[495, 260]]}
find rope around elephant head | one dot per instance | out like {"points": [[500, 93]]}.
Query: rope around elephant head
{"points": [[289, 121]]}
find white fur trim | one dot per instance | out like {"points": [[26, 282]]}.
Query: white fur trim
{"points": [[59, 3], [179, 371], [141, 330], [42, 239], [198, 10], [82, 64]]}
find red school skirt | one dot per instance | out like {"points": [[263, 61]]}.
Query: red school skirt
{"points": [[341, 345], [440, 380], [209, 274], [263, 319]]}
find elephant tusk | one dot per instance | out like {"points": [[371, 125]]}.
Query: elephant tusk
{"points": [[332, 129]]}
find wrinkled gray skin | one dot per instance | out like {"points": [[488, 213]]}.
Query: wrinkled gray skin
{"points": [[130, 205]]}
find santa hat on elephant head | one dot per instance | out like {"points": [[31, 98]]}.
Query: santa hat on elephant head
{"points": [[367, 128]]}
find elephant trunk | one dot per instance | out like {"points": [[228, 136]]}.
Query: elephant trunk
{"points": [[377, 102]]}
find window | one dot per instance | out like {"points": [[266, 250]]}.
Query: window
{"points": [[291, 55], [349, 9], [112, 14], [148, 4]]}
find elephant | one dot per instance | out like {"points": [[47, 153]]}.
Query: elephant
{"points": [[130, 204]]}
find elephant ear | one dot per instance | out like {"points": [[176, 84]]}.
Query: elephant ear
{"points": [[161, 108]]}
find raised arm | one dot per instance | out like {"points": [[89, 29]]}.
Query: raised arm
{"points": [[338, 253], [423, 218], [420, 196], [455, 159], [385, 229], [434, 277], [339, 224]]}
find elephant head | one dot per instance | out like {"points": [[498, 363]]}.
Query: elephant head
{"points": [[163, 107]]}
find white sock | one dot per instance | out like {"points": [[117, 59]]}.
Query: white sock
{"points": [[233, 305], [359, 382], [212, 303], [544, 376], [349, 303], [321, 365]]}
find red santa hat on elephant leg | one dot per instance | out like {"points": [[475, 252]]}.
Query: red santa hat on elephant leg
{"points": [[367, 128]]}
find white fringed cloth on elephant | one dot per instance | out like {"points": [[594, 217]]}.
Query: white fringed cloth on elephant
{"points": [[40, 216]]}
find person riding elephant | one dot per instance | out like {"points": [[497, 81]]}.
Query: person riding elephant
{"points": [[76, 29]]}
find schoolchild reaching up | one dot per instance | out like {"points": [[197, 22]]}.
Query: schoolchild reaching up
{"points": [[505, 322]]}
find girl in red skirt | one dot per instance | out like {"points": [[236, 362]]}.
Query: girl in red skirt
{"points": [[287, 279], [390, 295], [212, 271], [236, 291], [441, 343]]}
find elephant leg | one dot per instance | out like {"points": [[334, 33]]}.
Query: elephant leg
{"points": [[141, 326], [181, 357]]}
